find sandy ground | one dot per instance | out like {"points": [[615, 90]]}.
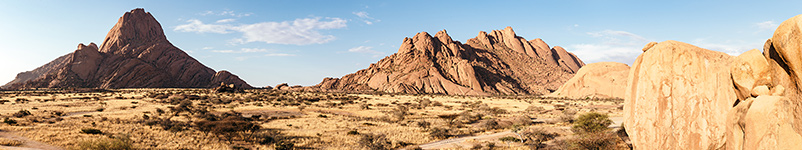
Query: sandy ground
{"points": [[312, 120]]}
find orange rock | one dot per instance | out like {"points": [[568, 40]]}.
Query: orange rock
{"points": [[678, 96], [134, 54], [496, 63], [598, 80]]}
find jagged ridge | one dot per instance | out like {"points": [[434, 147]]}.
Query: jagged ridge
{"points": [[496, 63]]}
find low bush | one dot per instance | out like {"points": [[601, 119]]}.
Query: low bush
{"points": [[116, 143], [591, 123], [592, 141], [509, 139], [91, 131], [22, 113], [375, 141], [9, 121], [439, 133]]}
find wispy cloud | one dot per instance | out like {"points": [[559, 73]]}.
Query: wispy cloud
{"points": [[766, 25], [613, 45], [734, 48], [226, 20], [365, 50], [364, 17], [195, 25], [243, 50], [278, 54], [302, 31], [224, 13]]}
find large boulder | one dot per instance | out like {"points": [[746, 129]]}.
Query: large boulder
{"points": [[596, 80], [767, 123], [678, 96], [763, 120], [750, 71]]}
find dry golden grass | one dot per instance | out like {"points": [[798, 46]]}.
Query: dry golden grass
{"points": [[9, 142], [307, 120]]}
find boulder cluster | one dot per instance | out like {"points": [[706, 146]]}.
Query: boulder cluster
{"points": [[679, 96]]}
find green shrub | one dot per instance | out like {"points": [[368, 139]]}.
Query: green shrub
{"points": [[91, 131], [509, 139], [591, 123]]}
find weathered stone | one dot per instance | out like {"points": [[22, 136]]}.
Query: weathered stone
{"points": [[596, 80], [767, 123], [678, 96], [648, 46], [749, 71]]}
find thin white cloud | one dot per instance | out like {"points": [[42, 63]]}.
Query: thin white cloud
{"points": [[613, 45], [243, 50], [279, 54], [224, 13], [364, 17], [195, 25], [734, 48], [226, 20], [767, 25], [207, 48], [592, 53], [302, 31], [365, 50]]}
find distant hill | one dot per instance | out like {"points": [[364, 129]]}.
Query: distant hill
{"points": [[495, 63], [134, 54]]}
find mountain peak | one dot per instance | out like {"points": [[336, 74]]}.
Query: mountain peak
{"points": [[133, 29]]}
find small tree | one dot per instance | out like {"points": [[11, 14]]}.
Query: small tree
{"points": [[591, 123]]}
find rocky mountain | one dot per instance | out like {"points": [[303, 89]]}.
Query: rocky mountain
{"points": [[134, 54], [495, 63], [680, 96], [596, 80]]}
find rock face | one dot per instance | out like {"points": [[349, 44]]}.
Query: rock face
{"points": [[596, 80], [769, 117], [497, 63], [677, 97], [134, 54], [747, 102]]}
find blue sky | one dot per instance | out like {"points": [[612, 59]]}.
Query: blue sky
{"points": [[301, 42]]}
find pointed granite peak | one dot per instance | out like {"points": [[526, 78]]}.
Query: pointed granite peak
{"points": [[508, 31], [91, 45], [133, 29], [443, 36]]}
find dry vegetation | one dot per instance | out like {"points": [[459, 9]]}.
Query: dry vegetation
{"points": [[269, 119]]}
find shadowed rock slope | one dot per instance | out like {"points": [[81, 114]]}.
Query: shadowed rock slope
{"points": [[496, 63], [134, 54]]}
